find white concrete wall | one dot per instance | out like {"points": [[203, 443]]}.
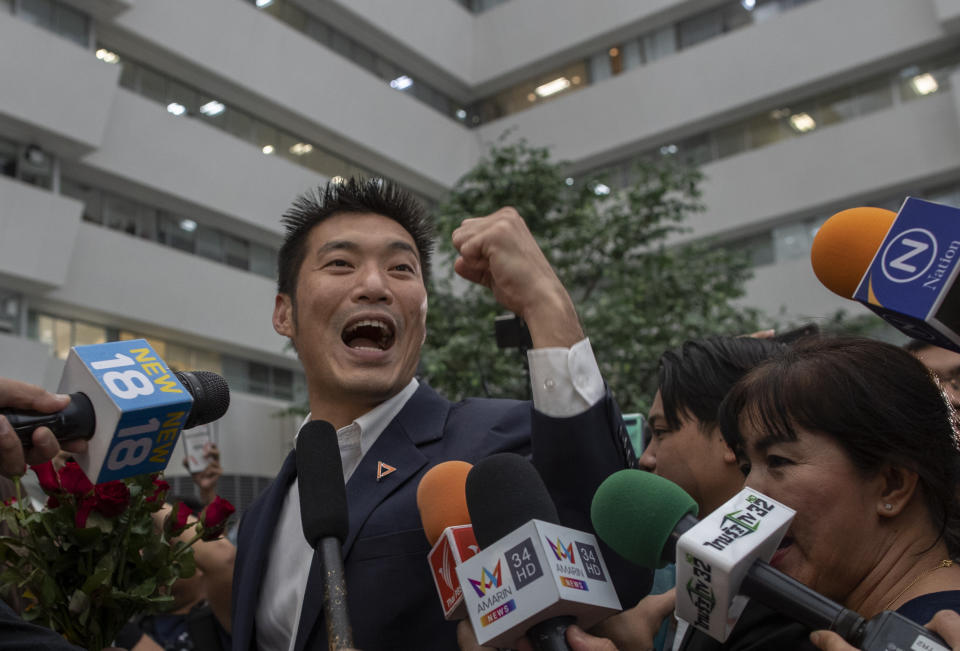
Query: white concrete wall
{"points": [[913, 144], [489, 49], [38, 230], [147, 147], [948, 11], [734, 75], [362, 117], [55, 93], [789, 291], [29, 361], [150, 287]]}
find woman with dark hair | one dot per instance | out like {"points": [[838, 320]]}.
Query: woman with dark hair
{"points": [[856, 436]]}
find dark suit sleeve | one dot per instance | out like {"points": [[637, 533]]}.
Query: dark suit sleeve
{"points": [[574, 455]]}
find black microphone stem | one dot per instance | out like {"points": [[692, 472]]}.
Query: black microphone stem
{"points": [[551, 634], [339, 632]]}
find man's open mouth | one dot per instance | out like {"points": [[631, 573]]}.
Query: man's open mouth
{"points": [[368, 334]]}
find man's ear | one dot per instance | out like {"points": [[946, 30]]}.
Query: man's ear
{"points": [[283, 321], [897, 487]]}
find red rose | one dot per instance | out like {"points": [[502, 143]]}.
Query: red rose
{"points": [[214, 517], [10, 501], [48, 478], [112, 498], [83, 511], [176, 521], [73, 480], [160, 488]]}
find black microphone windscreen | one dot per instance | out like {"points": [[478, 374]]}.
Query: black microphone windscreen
{"points": [[504, 492], [323, 496], [211, 396]]}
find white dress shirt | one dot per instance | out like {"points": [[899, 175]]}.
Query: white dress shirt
{"points": [[565, 382]]}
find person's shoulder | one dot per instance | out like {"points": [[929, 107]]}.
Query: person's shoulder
{"points": [[921, 609]]}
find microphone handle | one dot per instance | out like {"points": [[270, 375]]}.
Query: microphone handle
{"points": [[551, 634], [786, 595], [75, 421], [339, 632]]}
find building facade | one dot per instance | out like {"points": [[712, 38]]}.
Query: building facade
{"points": [[147, 149]]}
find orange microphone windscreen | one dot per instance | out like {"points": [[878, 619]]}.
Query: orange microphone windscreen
{"points": [[845, 245], [442, 498]]}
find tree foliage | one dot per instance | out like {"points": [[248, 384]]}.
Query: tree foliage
{"points": [[638, 293]]}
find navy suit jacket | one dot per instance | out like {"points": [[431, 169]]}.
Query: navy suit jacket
{"points": [[391, 596]]}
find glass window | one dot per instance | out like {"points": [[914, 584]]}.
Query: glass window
{"points": [[836, 107], [209, 243], [9, 312], [235, 373], [55, 332], [207, 360], [129, 75], [791, 241], [599, 67], [696, 150], [90, 197], [873, 96], [764, 130], [263, 260], [121, 214], [213, 110], [267, 138], [240, 124], [176, 231], [73, 25], [259, 378], [736, 16], [659, 43], [87, 334], [35, 167], [632, 52], [699, 28], [759, 247], [178, 358], [282, 384], [730, 140], [152, 85], [187, 97], [38, 12], [235, 252], [8, 158]]}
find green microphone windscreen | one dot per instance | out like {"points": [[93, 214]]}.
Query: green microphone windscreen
{"points": [[635, 512]]}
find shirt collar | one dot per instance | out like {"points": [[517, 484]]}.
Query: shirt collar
{"points": [[372, 423]]}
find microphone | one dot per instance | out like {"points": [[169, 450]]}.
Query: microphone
{"points": [[442, 503], [902, 266], [323, 513], [532, 576], [129, 405], [651, 521]]}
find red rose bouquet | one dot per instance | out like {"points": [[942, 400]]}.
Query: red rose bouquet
{"points": [[94, 556]]}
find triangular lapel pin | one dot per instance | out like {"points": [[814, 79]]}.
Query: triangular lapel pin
{"points": [[383, 470]]}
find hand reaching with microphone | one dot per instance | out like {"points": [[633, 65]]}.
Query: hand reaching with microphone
{"points": [[945, 623], [20, 395]]}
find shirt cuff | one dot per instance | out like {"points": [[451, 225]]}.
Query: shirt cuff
{"points": [[565, 381]]}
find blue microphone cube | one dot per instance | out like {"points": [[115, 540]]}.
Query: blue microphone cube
{"points": [[911, 280], [140, 407]]}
